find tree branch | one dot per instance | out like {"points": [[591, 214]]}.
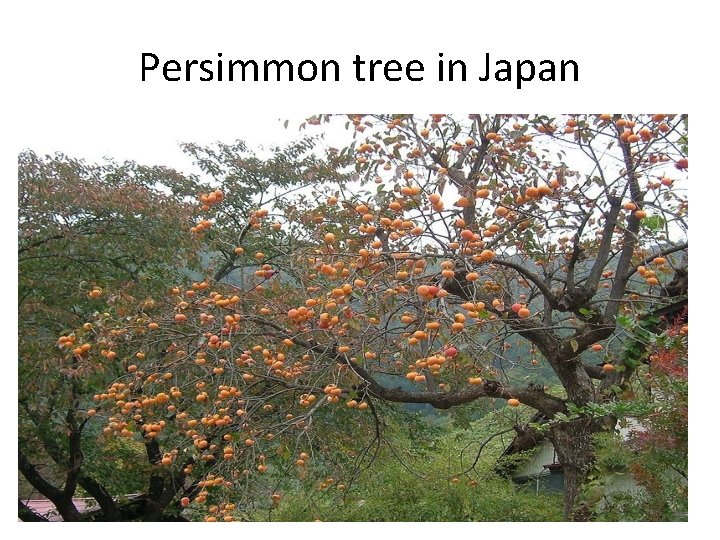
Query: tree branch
{"points": [[662, 253], [532, 395], [629, 239], [40, 242], [62, 502], [577, 251], [593, 280], [25, 513], [536, 280]]}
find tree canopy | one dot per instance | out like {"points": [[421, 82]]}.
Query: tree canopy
{"points": [[523, 260]]}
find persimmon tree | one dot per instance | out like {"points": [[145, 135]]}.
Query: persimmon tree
{"points": [[409, 276], [93, 237]]}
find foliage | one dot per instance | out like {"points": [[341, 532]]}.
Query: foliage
{"points": [[655, 453], [418, 481], [95, 237], [84, 232], [103, 223], [255, 182], [432, 260]]}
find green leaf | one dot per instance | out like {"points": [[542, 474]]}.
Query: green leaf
{"points": [[654, 223], [574, 344], [624, 321]]}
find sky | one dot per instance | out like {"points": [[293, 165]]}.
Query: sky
{"points": [[259, 129], [71, 71]]}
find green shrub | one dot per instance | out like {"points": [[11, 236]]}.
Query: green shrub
{"points": [[419, 479]]}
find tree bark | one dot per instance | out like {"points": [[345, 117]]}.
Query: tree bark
{"points": [[62, 501], [573, 443]]}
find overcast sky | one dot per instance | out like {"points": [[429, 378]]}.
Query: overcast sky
{"points": [[162, 147]]}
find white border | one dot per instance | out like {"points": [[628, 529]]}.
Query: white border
{"points": [[72, 69]]}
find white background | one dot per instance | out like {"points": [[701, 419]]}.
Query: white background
{"points": [[71, 83]]}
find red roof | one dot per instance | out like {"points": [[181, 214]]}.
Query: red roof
{"points": [[46, 508]]}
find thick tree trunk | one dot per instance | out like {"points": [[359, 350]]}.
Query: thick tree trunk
{"points": [[573, 444]]}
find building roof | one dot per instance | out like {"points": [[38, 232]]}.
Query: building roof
{"points": [[46, 509]]}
